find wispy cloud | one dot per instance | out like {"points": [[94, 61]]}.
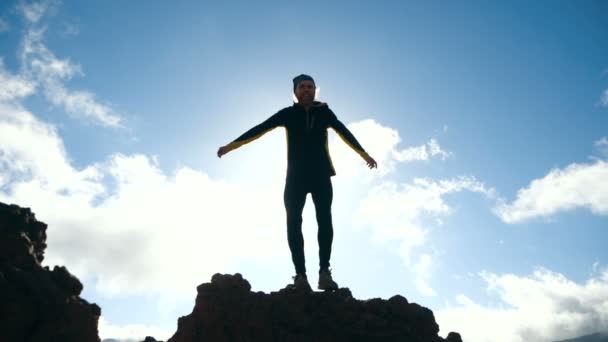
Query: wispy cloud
{"points": [[4, 26], [51, 73], [69, 30], [604, 98], [575, 186], [542, 307], [14, 87], [35, 10], [423, 152], [602, 146], [41, 69]]}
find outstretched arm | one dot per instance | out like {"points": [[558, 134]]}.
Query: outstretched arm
{"points": [[253, 133], [350, 139]]}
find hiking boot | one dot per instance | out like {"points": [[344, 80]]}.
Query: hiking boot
{"points": [[300, 282], [325, 281]]}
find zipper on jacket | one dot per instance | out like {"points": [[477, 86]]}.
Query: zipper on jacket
{"points": [[312, 121], [307, 119]]}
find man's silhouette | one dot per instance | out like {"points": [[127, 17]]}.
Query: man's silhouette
{"points": [[309, 169]]}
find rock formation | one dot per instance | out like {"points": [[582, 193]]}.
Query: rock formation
{"points": [[38, 304], [227, 310]]}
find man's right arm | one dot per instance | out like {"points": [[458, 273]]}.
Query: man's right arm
{"points": [[269, 124]]}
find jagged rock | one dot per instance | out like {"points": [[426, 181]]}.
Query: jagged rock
{"points": [[227, 310], [37, 304], [454, 337], [150, 339]]}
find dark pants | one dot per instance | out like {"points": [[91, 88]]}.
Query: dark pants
{"points": [[294, 198]]}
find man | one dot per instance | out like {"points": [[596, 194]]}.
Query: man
{"points": [[309, 169]]}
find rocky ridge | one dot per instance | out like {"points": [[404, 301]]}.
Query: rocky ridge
{"points": [[227, 310], [38, 304]]}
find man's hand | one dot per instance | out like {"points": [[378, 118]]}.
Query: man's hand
{"points": [[222, 150], [371, 163]]}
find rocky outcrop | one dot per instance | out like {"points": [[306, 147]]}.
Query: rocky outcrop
{"points": [[227, 310], [38, 304]]}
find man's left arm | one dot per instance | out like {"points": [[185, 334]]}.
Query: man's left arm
{"points": [[346, 135]]}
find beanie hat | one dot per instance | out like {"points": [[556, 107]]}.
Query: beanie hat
{"points": [[299, 79]]}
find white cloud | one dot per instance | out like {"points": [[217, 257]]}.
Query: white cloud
{"points": [[578, 185], [545, 306], [422, 269], [381, 143], [396, 213], [127, 223], [31, 148], [131, 332]]}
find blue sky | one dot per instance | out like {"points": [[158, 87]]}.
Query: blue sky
{"points": [[489, 122]]}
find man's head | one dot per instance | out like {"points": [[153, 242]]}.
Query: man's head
{"points": [[304, 88]]}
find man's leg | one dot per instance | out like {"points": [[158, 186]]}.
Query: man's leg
{"points": [[294, 198], [322, 195]]}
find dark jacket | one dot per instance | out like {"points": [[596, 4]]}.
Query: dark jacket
{"points": [[306, 133]]}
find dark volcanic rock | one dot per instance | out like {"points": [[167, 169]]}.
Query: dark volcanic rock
{"points": [[454, 337], [37, 304], [150, 339], [227, 310]]}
